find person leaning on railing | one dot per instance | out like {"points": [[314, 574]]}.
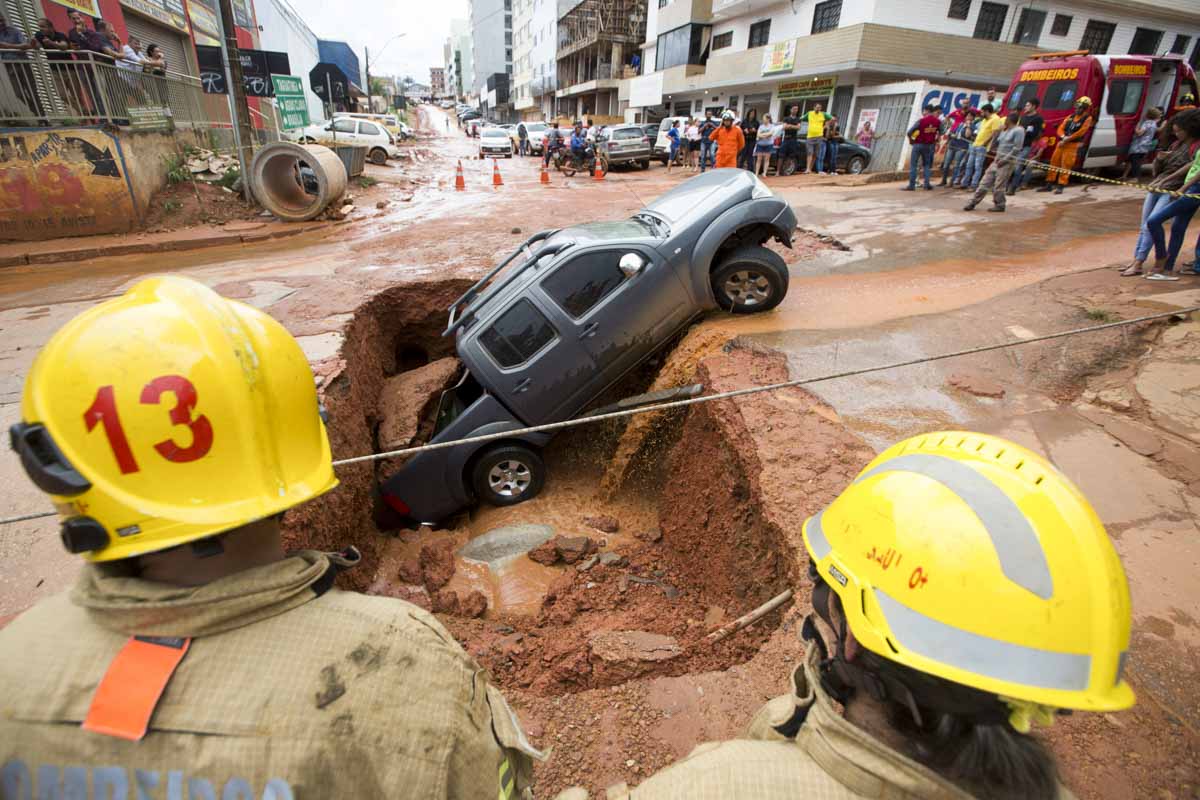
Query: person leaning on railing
{"points": [[13, 45], [58, 53], [93, 49]]}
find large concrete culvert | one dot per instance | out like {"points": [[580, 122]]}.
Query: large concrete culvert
{"points": [[296, 182]]}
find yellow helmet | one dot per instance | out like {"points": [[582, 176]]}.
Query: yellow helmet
{"points": [[968, 557], [168, 415], [1084, 101]]}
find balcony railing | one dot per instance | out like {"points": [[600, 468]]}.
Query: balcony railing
{"points": [[87, 88]]}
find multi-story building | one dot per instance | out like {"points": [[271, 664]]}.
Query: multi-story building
{"points": [[491, 24], [522, 94], [437, 81], [284, 31], [598, 43], [543, 56], [882, 57], [457, 52]]}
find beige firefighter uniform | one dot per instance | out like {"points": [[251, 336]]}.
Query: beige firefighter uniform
{"points": [[829, 758], [287, 691]]}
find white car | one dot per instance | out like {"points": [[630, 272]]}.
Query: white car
{"points": [[346, 130], [536, 132], [495, 142]]}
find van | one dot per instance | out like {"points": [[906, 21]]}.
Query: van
{"points": [[1121, 88]]}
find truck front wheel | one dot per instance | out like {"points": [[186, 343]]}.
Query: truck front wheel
{"points": [[507, 475], [750, 280]]}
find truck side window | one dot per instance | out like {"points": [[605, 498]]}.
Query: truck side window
{"points": [[583, 282], [1060, 95], [517, 335], [1124, 97], [1021, 93]]}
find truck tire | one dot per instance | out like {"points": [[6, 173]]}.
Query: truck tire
{"points": [[750, 280], [508, 474]]}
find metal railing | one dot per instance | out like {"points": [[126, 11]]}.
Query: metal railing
{"points": [[87, 88]]}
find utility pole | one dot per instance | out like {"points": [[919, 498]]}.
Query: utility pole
{"points": [[367, 51], [243, 133]]}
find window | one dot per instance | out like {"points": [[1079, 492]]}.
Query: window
{"points": [[1029, 27], [580, 284], [507, 38], [1020, 94], [519, 334], [1060, 95], [343, 126], [991, 21], [368, 128], [1062, 25], [508, 21], [628, 133], [663, 3], [959, 9], [722, 40], [687, 44], [1124, 97], [508, 54], [760, 33], [826, 16], [1181, 43], [1145, 42], [1097, 36]]}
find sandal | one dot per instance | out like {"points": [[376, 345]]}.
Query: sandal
{"points": [[1160, 276], [1130, 272]]}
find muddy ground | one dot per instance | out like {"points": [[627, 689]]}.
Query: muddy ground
{"points": [[700, 512]]}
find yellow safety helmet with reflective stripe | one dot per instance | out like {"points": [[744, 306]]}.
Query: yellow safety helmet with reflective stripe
{"points": [[971, 558], [168, 415]]}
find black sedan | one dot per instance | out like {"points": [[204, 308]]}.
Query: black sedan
{"points": [[852, 158]]}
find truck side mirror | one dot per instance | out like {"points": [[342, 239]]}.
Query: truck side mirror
{"points": [[631, 264]]}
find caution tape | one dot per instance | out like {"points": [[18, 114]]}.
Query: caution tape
{"points": [[1090, 177]]}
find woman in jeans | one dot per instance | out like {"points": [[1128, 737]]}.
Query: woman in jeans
{"points": [[1171, 174], [1179, 213]]}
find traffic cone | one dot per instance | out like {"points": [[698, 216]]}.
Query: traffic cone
{"points": [[496, 174], [545, 176], [597, 175], [460, 183]]}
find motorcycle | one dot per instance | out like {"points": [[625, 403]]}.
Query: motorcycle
{"points": [[568, 162]]}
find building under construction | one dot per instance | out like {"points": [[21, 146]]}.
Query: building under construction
{"points": [[598, 44]]}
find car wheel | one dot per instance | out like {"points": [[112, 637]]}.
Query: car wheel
{"points": [[856, 165], [646, 164], [379, 156], [507, 475], [750, 280]]}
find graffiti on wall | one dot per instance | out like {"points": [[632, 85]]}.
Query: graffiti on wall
{"points": [[65, 182]]}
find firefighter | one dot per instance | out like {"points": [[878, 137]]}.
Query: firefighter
{"points": [[939, 691], [1071, 134], [730, 141], [171, 428]]}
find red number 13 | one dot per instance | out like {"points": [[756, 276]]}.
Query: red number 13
{"points": [[104, 410]]}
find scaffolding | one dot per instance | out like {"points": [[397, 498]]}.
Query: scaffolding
{"points": [[590, 22]]}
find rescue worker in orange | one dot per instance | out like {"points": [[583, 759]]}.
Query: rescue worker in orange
{"points": [[730, 141], [1071, 135], [171, 428]]}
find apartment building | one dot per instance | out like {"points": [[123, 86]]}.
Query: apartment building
{"points": [[437, 82], [543, 57], [598, 46], [457, 54], [885, 57], [491, 27], [522, 38]]}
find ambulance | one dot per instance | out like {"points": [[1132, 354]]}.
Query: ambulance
{"points": [[1122, 89]]}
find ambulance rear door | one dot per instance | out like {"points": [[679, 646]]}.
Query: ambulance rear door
{"points": [[1119, 110]]}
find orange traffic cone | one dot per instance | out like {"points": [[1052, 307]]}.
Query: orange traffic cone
{"points": [[597, 175], [496, 174], [460, 183], [545, 176]]}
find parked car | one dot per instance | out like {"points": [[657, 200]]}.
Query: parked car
{"points": [[651, 129], [624, 144], [852, 157], [346, 130], [390, 123], [537, 135], [585, 306], [495, 142]]}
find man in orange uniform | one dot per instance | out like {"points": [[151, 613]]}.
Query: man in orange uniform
{"points": [[730, 141], [1071, 133]]}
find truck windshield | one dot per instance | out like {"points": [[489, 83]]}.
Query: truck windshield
{"points": [[656, 226]]}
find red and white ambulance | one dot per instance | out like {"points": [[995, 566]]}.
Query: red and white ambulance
{"points": [[1121, 88]]}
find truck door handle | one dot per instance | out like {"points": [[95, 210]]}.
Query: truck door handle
{"points": [[589, 330], [523, 385]]}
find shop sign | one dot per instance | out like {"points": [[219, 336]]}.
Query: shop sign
{"points": [[807, 89], [241, 14], [205, 22], [168, 12], [257, 68], [89, 7], [779, 57], [148, 118]]}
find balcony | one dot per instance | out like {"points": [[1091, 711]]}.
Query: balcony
{"points": [[605, 76]]}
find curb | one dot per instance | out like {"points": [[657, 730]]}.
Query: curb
{"points": [[164, 246]]}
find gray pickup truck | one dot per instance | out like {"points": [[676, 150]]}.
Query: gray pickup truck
{"points": [[577, 309]]}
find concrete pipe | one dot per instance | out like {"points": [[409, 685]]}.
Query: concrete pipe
{"points": [[296, 182]]}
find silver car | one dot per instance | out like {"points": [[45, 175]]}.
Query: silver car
{"points": [[625, 144]]}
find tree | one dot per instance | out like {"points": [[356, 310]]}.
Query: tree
{"points": [[380, 87]]}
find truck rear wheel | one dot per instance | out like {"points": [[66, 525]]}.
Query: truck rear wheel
{"points": [[507, 475], [750, 280]]}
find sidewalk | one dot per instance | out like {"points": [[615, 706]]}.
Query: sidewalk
{"points": [[84, 248]]}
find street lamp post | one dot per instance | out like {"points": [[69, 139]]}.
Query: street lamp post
{"points": [[367, 53]]}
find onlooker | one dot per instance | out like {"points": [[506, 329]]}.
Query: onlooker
{"points": [[552, 143], [989, 126], [706, 143], [961, 137], [1179, 213], [94, 49], [691, 155], [763, 145], [131, 58], [729, 142], [923, 134], [833, 133], [750, 126], [1145, 137], [522, 139], [1008, 145], [789, 148], [1033, 124], [816, 139], [1071, 133], [57, 50], [992, 100], [1171, 170], [673, 138], [156, 64], [13, 45], [867, 136]]}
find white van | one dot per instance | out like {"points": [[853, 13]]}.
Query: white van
{"points": [[662, 145]]}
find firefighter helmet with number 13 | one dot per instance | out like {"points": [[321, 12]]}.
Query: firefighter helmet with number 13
{"points": [[168, 415]]}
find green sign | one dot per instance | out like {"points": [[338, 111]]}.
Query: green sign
{"points": [[289, 94]]}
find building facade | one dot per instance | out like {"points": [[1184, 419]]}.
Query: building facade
{"points": [[598, 44], [522, 75], [437, 81], [284, 31], [879, 56], [491, 25], [543, 57], [457, 54]]}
